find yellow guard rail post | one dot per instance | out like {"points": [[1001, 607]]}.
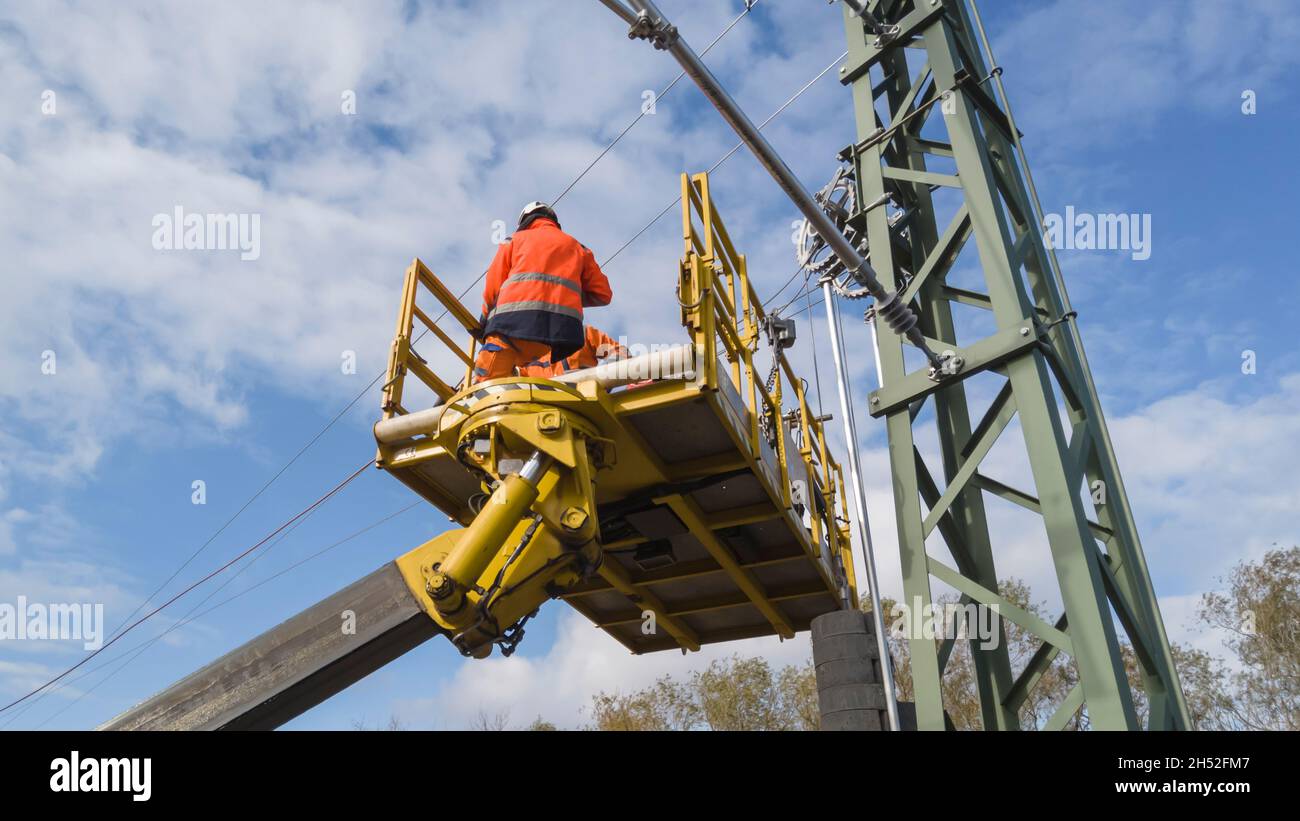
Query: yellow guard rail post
{"points": [[403, 358], [724, 315]]}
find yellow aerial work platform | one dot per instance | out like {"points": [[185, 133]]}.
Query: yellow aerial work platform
{"points": [[720, 509]]}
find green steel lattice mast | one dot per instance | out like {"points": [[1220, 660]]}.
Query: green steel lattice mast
{"points": [[971, 153]]}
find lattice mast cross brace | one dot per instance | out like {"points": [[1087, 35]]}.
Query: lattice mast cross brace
{"points": [[1036, 346]]}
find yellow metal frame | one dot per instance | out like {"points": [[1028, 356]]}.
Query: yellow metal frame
{"points": [[714, 281], [464, 579], [403, 358], [724, 320]]}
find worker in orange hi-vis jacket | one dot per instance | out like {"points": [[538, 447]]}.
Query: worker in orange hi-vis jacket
{"points": [[538, 284], [597, 346]]}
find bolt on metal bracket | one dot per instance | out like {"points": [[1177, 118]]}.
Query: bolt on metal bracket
{"points": [[658, 31], [950, 365]]}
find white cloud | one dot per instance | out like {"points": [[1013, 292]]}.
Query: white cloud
{"points": [[1211, 474], [21, 677], [1209, 477], [462, 113], [1111, 69], [559, 685], [8, 519]]}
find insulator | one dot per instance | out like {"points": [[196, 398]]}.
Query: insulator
{"points": [[897, 314]]}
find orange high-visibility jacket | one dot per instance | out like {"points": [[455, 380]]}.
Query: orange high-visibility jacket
{"points": [[597, 346], [538, 284]]}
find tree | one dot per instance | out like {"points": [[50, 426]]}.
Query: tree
{"points": [[730, 694], [1260, 612], [800, 686], [746, 694], [1205, 687], [496, 722], [394, 725], [541, 725], [960, 686], [665, 705]]}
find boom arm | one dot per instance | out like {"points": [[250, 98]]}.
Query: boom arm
{"points": [[534, 537]]}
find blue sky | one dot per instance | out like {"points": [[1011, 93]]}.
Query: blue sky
{"points": [[181, 366]]}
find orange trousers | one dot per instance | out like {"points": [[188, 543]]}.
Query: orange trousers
{"points": [[499, 356]]}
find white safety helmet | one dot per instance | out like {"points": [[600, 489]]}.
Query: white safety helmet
{"points": [[533, 210]]}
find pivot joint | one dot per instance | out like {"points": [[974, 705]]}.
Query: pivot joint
{"points": [[661, 34]]}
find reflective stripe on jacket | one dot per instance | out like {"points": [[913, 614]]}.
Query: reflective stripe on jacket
{"points": [[538, 284]]}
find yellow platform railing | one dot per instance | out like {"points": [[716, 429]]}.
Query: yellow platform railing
{"points": [[403, 358], [725, 317]]}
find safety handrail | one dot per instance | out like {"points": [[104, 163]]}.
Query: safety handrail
{"points": [[720, 305], [404, 359]]}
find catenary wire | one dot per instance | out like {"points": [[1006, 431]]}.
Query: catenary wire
{"points": [[725, 157], [122, 628], [658, 97], [205, 578], [330, 424], [191, 616]]}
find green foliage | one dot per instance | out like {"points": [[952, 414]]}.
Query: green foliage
{"points": [[541, 725], [960, 685], [731, 694], [1260, 614]]}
